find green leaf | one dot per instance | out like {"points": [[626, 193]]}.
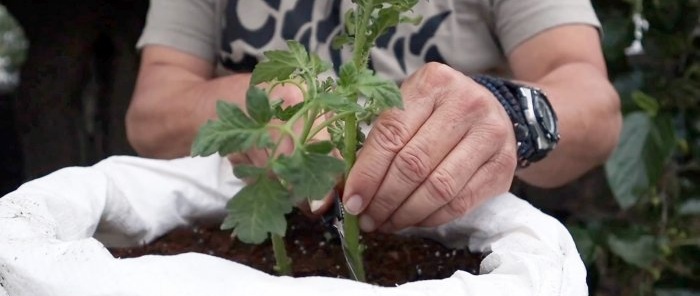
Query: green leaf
{"points": [[287, 113], [318, 66], [387, 18], [258, 210], [337, 103], [646, 102], [640, 251], [243, 171], [659, 147], [322, 147], [341, 40], [258, 105], [311, 175], [280, 64], [676, 292], [625, 170], [690, 207], [347, 76], [584, 243], [233, 132], [381, 93]]}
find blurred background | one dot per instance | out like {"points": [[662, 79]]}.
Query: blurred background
{"points": [[67, 70]]}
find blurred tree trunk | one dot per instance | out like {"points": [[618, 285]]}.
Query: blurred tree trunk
{"points": [[77, 81]]}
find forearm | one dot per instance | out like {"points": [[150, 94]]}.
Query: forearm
{"points": [[588, 110], [168, 108]]}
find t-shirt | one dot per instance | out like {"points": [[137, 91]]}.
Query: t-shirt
{"points": [[472, 36]]}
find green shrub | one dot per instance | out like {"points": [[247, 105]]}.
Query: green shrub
{"points": [[651, 244]]}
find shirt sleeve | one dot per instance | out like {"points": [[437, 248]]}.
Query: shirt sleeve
{"points": [[518, 20], [186, 25]]}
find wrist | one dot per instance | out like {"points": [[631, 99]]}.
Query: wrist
{"points": [[533, 118]]}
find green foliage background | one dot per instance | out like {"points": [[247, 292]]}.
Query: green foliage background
{"points": [[650, 244], [13, 47]]}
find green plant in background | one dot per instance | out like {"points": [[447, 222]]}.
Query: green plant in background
{"points": [[651, 244], [309, 172], [13, 48]]}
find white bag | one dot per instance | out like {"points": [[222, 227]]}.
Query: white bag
{"points": [[53, 233]]}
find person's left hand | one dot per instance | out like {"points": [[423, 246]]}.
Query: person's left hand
{"points": [[451, 148]]}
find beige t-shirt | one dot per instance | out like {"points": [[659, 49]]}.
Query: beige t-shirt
{"points": [[472, 36]]}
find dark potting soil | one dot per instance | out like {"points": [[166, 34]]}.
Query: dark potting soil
{"points": [[316, 250]]}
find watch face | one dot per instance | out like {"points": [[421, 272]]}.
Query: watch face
{"points": [[546, 115]]}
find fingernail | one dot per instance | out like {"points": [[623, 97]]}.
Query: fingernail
{"points": [[354, 204], [366, 223], [315, 205]]}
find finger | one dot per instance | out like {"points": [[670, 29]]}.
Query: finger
{"points": [[392, 130], [492, 179], [239, 159], [446, 181], [414, 163]]}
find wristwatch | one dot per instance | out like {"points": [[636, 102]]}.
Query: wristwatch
{"points": [[534, 121]]}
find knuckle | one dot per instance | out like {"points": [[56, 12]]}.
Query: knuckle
{"points": [[367, 176], [504, 161], [411, 164], [435, 74], [391, 133], [441, 187], [380, 207], [460, 205], [473, 103]]}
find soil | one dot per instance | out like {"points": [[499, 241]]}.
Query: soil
{"points": [[315, 250]]}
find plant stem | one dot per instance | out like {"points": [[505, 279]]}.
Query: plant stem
{"points": [[283, 264], [361, 52], [351, 225], [318, 128]]}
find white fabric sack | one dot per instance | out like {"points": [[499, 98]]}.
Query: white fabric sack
{"points": [[53, 233]]}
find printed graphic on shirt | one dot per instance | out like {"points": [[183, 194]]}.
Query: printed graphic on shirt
{"points": [[252, 27]]}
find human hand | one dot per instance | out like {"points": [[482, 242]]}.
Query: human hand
{"points": [[451, 148]]}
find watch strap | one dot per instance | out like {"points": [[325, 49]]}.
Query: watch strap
{"points": [[507, 93]]}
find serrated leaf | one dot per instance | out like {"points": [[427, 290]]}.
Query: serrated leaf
{"points": [[311, 175], [387, 18], [626, 170], [280, 64], [347, 76], [243, 171], [382, 94], [285, 114], [322, 147], [318, 66], [258, 210], [337, 103], [258, 105], [233, 132], [640, 251], [341, 40]]}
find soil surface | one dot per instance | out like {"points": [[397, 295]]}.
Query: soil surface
{"points": [[315, 250]]}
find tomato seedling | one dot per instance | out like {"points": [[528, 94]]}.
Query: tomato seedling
{"points": [[310, 172]]}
